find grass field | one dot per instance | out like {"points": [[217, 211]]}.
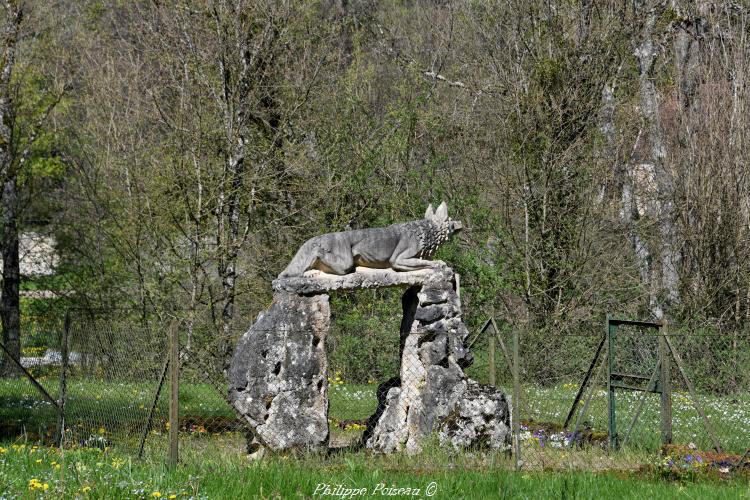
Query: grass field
{"points": [[36, 472], [214, 465]]}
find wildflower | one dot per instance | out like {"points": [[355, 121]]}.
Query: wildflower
{"points": [[102, 430], [172, 496], [86, 488], [35, 484], [38, 460], [156, 494], [3, 450]]}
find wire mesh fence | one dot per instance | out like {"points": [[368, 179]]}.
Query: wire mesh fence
{"points": [[565, 425], [104, 382]]}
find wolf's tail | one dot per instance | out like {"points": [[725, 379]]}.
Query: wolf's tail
{"points": [[303, 260]]}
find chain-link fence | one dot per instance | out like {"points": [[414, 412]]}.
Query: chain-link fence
{"points": [[592, 402], [104, 381], [89, 381]]}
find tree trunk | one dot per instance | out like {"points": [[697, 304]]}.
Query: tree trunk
{"points": [[10, 314], [9, 302], [663, 286]]}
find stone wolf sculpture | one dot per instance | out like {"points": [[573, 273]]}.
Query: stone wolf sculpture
{"points": [[402, 247]]}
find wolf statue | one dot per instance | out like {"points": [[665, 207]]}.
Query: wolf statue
{"points": [[402, 247]]}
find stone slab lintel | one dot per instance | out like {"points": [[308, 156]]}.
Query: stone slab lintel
{"points": [[316, 282]]}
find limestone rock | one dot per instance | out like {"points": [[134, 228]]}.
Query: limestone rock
{"points": [[481, 417], [314, 282], [432, 380], [278, 373], [277, 376]]}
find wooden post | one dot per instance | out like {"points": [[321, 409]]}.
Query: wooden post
{"points": [[63, 380], [665, 381], [516, 416], [174, 377], [611, 330], [492, 368]]}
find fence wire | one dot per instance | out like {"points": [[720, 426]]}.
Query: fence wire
{"points": [[103, 382]]}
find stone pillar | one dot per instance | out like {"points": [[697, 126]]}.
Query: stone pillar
{"points": [[432, 380], [277, 376]]}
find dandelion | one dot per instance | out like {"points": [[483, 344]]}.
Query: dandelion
{"points": [[102, 430], [156, 494], [172, 496], [38, 460], [86, 489], [3, 450], [35, 484]]}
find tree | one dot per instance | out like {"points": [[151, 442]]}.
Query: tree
{"points": [[25, 106]]}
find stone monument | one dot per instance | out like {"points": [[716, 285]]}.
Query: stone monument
{"points": [[278, 375]]}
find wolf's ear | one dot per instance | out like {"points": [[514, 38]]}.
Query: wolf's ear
{"points": [[430, 213], [442, 212]]}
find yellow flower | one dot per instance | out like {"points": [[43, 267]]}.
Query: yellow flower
{"points": [[3, 450], [45, 486], [102, 430], [38, 460], [35, 484], [156, 494], [86, 488], [173, 496], [167, 425]]}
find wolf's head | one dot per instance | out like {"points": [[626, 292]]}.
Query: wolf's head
{"points": [[437, 228], [440, 217]]}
